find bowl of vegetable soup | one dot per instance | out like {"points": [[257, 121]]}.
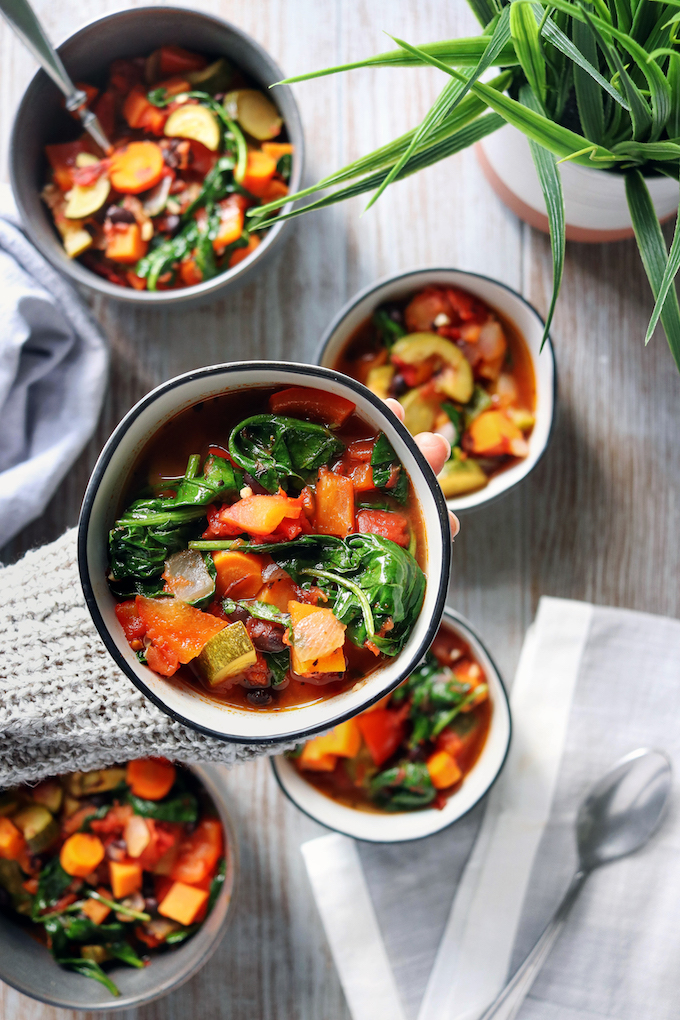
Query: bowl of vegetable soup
{"points": [[263, 549], [417, 760], [464, 355], [116, 885], [198, 140]]}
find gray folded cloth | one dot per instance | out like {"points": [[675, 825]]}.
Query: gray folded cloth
{"points": [[53, 365], [431, 930], [64, 704]]}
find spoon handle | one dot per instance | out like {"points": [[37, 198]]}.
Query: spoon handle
{"points": [[23, 20], [507, 1003]]}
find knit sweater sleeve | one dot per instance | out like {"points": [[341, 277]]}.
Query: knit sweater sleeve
{"points": [[64, 703]]}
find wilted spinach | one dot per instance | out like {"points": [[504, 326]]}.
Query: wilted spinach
{"points": [[383, 461], [82, 929], [403, 787], [388, 328], [282, 452], [181, 807], [437, 697], [279, 665], [53, 882], [153, 529]]}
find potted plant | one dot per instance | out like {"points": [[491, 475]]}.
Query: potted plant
{"points": [[595, 85]]}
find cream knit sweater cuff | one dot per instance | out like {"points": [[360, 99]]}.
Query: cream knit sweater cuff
{"points": [[64, 704]]}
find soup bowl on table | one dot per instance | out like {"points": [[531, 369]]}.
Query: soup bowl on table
{"points": [[463, 355], [198, 141], [173, 881], [264, 549], [420, 759]]}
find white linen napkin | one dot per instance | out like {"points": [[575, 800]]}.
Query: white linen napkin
{"points": [[53, 364], [455, 914]]}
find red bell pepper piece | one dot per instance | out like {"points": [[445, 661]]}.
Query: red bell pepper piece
{"points": [[383, 729]]}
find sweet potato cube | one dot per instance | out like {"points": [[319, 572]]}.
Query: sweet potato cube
{"points": [[444, 770], [315, 760], [183, 902], [126, 878], [12, 843], [344, 740], [96, 911], [334, 504], [126, 245]]}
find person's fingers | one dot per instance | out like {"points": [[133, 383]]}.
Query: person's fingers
{"points": [[455, 525], [435, 448], [395, 407]]}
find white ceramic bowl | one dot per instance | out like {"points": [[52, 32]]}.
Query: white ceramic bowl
{"points": [[384, 827], [184, 702], [26, 964], [507, 301]]}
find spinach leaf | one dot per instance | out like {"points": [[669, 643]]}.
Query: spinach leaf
{"points": [[284, 165], [437, 697], [456, 419], [279, 665], [404, 787], [182, 808], [60, 947], [53, 882], [90, 969], [82, 929], [387, 326], [383, 460], [124, 951], [282, 452], [215, 886], [151, 530]]}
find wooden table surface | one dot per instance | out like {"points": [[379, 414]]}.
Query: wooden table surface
{"points": [[596, 521]]}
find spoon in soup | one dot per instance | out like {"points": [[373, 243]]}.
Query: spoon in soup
{"points": [[25, 23], [619, 814]]}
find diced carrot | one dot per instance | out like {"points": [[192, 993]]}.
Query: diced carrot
{"points": [[443, 769], [150, 778], [62, 159], [189, 272], [260, 515], [238, 574], [81, 854], [343, 741], [306, 402], [316, 761], [182, 628], [385, 523], [383, 729], [275, 189], [96, 911], [199, 852], [175, 60], [492, 433], [136, 167], [231, 223], [239, 254], [182, 903], [12, 843], [277, 149], [334, 504], [260, 168], [126, 244], [130, 621], [126, 878], [317, 640]]}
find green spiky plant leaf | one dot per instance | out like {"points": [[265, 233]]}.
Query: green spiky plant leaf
{"points": [[593, 81]]}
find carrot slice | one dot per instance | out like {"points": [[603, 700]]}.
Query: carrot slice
{"points": [[238, 574], [81, 854], [150, 778], [136, 167], [328, 408]]}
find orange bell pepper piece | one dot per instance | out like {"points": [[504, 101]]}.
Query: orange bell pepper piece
{"points": [[183, 629], [232, 218], [150, 778], [260, 168]]}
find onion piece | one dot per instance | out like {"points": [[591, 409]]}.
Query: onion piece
{"points": [[187, 577]]}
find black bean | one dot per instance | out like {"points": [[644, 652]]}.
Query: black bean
{"points": [[118, 215], [150, 904], [266, 635], [398, 386], [260, 697], [239, 615], [258, 489]]}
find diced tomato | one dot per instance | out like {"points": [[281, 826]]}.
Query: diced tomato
{"points": [[318, 405], [383, 730], [62, 159], [175, 60], [467, 307], [203, 160], [131, 622], [161, 659], [164, 835], [140, 113], [124, 74], [105, 110], [113, 822], [385, 523], [199, 852], [360, 450]]}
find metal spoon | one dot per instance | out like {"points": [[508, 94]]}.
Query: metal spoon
{"points": [[618, 816], [23, 20]]}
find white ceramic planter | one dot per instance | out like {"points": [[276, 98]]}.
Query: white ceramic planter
{"points": [[498, 296], [594, 200], [184, 701], [382, 827]]}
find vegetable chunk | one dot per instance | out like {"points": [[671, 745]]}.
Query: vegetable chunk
{"points": [[317, 638], [183, 903], [183, 629]]}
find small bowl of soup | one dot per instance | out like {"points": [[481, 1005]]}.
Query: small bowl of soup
{"points": [[420, 758], [463, 354], [264, 549]]}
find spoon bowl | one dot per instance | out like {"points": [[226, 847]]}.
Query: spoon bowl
{"points": [[623, 808]]}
